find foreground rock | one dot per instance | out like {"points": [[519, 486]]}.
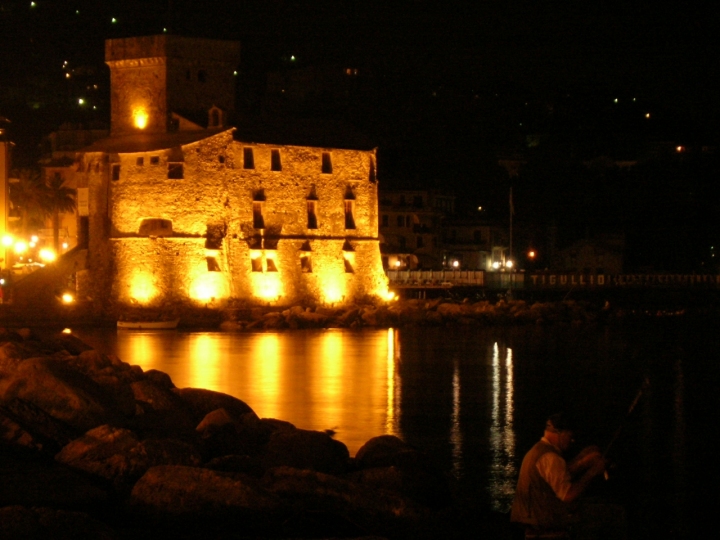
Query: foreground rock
{"points": [[93, 436]]}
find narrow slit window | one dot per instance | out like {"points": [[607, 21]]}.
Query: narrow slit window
{"points": [[271, 267], [326, 163], [212, 264], [176, 171], [256, 261], [258, 220], [116, 172], [140, 162], [373, 177], [305, 264], [275, 163], [349, 214], [348, 265], [312, 222], [248, 158]]}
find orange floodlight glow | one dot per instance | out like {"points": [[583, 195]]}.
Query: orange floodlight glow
{"points": [[140, 118], [142, 287]]}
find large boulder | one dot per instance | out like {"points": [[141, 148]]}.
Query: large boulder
{"points": [[224, 435], [201, 402], [28, 479], [191, 491], [49, 524], [375, 511], [25, 424], [387, 462], [55, 385], [161, 410], [305, 449], [117, 454]]}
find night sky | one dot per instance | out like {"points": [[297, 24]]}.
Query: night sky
{"points": [[445, 89]]}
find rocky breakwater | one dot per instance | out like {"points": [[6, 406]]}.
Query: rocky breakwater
{"points": [[401, 313], [92, 447]]}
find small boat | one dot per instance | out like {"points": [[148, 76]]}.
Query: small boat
{"points": [[148, 325]]}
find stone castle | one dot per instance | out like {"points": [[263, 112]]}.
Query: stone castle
{"points": [[176, 206]]}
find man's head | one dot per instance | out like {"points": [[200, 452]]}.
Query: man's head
{"points": [[559, 431]]}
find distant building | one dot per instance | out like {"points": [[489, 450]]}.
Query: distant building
{"points": [[474, 245], [177, 206], [411, 228], [601, 255]]}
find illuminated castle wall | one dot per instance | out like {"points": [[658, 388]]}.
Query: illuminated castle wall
{"points": [[195, 215]]}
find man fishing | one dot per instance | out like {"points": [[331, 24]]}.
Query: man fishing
{"points": [[548, 485]]}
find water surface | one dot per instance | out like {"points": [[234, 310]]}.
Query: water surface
{"points": [[476, 400]]}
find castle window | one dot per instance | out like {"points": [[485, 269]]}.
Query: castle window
{"points": [[154, 160], [419, 242], [349, 214], [176, 171], [212, 264], [258, 220], [270, 263], [256, 261], [326, 163], [348, 257], [401, 221], [312, 222], [116, 171], [248, 158], [140, 162], [221, 159], [305, 263], [202, 76], [275, 164], [373, 177], [155, 227]]}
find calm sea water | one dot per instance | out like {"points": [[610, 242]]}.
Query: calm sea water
{"points": [[476, 399]]}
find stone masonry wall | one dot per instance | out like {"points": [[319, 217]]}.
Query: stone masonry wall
{"points": [[217, 193]]}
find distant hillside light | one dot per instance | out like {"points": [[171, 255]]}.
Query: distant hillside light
{"points": [[81, 101], [114, 20]]}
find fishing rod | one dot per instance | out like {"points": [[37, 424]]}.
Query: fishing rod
{"points": [[643, 387]]}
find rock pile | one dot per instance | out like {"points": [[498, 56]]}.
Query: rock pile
{"points": [[409, 312], [95, 446]]}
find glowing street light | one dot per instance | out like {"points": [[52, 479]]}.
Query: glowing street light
{"points": [[20, 247]]}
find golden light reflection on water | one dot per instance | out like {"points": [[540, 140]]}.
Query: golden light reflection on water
{"points": [[264, 371], [325, 379], [393, 389], [455, 428], [503, 471]]}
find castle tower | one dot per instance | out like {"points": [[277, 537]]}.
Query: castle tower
{"points": [[155, 79]]}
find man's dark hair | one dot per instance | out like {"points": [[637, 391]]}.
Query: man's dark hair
{"points": [[559, 422]]}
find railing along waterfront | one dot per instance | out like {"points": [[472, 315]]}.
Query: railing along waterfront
{"points": [[544, 280]]}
